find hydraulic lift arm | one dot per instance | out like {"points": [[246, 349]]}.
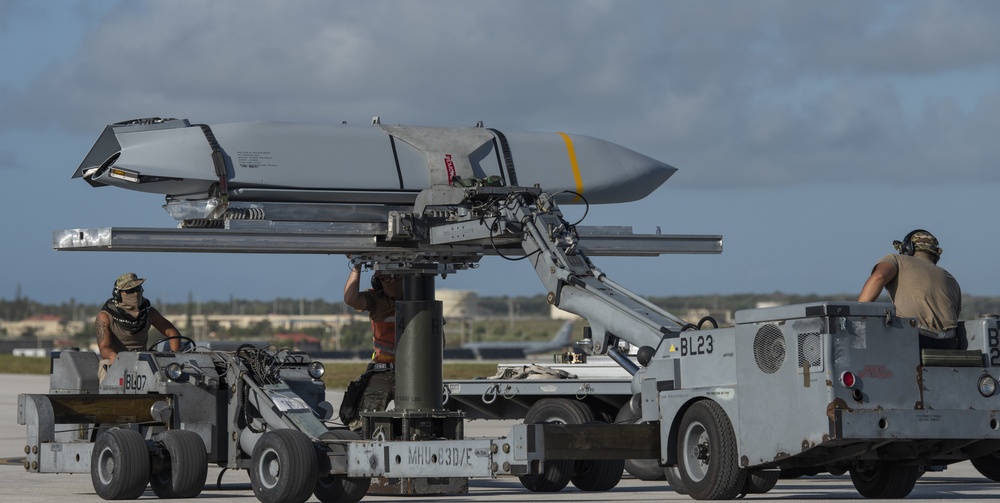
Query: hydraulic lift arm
{"points": [[576, 285]]}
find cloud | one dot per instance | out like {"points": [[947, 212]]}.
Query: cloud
{"points": [[936, 37], [770, 92]]}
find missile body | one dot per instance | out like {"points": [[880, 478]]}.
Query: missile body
{"points": [[377, 164]]}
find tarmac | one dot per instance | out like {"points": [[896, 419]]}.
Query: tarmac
{"points": [[959, 482]]}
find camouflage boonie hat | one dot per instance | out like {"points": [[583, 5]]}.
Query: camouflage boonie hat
{"points": [[128, 281]]}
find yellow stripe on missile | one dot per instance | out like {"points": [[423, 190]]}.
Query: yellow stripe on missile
{"points": [[571, 152]]}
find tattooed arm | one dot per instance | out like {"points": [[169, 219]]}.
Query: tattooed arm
{"points": [[105, 337]]}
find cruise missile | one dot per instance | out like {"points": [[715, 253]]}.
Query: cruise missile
{"points": [[280, 162]]}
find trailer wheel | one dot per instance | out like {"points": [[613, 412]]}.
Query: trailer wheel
{"points": [[988, 465], [673, 476], [186, 468], [339, 488], [707, 453], [283, 467], [597, 474], [837, 470], [761, 481], [557, 472], [879, 480], [120, 465], [643, 469]]}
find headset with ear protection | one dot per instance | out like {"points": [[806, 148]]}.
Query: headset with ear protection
{"points": [[376, 283], [906, 246]]}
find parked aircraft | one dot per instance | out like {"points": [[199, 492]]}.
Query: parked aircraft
{"points": [[562, 340]]}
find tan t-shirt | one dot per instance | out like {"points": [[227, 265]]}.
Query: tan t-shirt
{"points": [[924, 291]]}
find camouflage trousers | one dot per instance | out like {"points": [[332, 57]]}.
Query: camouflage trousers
{"points": [[381, 390]]}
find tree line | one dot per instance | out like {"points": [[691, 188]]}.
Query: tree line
{"points": [[497, 318], [21, 308]]}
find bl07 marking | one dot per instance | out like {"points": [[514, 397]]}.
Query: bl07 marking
{"points": [[135, 382], [700, 345]]}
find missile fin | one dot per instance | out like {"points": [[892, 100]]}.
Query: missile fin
{"points": [[447, 150]]}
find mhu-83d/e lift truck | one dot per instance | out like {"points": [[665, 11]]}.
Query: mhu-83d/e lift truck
{"points": [[832, 386]]}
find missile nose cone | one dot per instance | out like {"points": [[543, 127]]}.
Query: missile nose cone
{"points": [[627, 175], [642, 167]]}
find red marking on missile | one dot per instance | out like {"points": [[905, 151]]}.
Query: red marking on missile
{"points": [[450, 166]]}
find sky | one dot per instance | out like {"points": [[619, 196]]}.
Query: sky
{"points": [[809, 134]]}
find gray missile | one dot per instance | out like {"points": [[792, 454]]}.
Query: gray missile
{"points": [[377, 164]]}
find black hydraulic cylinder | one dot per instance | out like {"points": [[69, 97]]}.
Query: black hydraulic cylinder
{"points": [[419, 346], [418, 287]]}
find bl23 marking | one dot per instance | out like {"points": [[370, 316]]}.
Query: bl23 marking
{"points": [[697, 345]]}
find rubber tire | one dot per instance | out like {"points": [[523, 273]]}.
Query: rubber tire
{"points": [[642, 469], [761, 481], [184, 474], [705, 425], [885, 481], [673, 476], [557, 472], [339, 488], [597, 474], [988, 465], [283, 467], [120, 464], [837, 470]]}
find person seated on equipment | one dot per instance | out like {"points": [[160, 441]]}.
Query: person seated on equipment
{"points": [[124, 320], [919, 289]]}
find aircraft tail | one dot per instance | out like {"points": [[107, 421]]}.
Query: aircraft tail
{"points": [[565, 333]]}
